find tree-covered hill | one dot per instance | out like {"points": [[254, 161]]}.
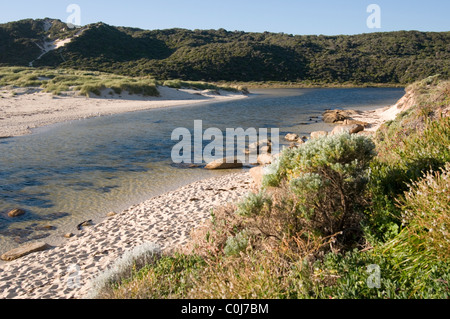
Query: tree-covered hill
{"points": [[215, 55]]}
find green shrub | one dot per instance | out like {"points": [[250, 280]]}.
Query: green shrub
{"points": [[124, 268], [253, 204], [349, 276], [414, 155], [328, 177], [236, 244], [426, 213]]}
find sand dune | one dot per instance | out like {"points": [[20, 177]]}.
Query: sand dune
{"points": [[29, 108]]}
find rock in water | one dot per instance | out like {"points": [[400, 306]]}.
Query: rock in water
{"points": [[225, 163], [338, 116], [292, 137], [85, 224], [334, 116], [16, 213], [24, 250]]}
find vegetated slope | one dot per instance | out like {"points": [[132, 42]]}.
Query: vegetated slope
{"points": [[214, 55]]}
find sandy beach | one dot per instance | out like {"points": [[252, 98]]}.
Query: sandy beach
{"points": [[166, 220], [24, 109]]}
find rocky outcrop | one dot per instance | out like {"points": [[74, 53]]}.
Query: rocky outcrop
{"points": [[338, 116], [260, 147], [24, 250]]}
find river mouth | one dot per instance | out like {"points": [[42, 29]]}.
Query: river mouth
{"points": [[67, 173]]}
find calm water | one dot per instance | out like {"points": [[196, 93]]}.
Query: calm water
{"points": [[67, 173]]}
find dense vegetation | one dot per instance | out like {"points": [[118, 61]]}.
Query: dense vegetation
{"points": [[220, 55], [345, 216]]}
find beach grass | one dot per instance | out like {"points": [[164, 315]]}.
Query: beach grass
{"points": [[93, 83]]}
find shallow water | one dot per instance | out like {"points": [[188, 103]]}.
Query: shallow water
{"points": [[68, 173]]}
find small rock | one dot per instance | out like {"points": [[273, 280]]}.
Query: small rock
{"points": [[264, 159], [46, 227], [351, 121], [111, 214], [85, 224], [334, 116], [24, 250], [351, 129], [257, 174], [68, 235], [16, 213], [292, 137], [319, 134], [338, 116], [225, 163], [265, 149]]}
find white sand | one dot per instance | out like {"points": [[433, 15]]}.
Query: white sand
{"points": [[379, 116], [166, 220], [31, 108]]}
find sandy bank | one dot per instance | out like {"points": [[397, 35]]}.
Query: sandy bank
{"points": [[26, 109], [166, 220], [377, 117]]}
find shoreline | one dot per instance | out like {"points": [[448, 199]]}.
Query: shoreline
{"points": [[20, 114], [166, 220]]}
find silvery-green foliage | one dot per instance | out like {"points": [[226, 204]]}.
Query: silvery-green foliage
{"points": [[123, 268], [328, 176], [309, 181], [253, 204], [236, 244]]}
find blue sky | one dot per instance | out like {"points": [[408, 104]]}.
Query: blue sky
{"points": [[328, 17]]}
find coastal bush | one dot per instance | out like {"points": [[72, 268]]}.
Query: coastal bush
{"points": [[123, 268], [426, 213], [328, 177], [236, 244], [353, 276], [178, 84], [168, 277], [253, 204], [414, 155]]}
